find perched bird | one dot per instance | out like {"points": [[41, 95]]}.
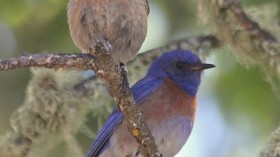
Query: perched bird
{"points": [[167, 98], [120, 25]]}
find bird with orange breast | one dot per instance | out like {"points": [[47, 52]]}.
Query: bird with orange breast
{"points": [[167, 97]]}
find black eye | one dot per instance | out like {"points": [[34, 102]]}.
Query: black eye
{"points": [[180, 65]]}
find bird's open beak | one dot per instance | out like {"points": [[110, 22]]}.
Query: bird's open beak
{"points": [[202, 66]]}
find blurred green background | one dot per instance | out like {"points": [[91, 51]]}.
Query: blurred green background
{"points": [[237, 108]]}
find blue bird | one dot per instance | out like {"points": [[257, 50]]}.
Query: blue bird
{"points": [[167, 98]]}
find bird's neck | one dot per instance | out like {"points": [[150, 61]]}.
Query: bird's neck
{"points": [[187, 86]]}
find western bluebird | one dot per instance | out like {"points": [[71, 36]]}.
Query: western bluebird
{"points": [[167, 98], [121, 24]]}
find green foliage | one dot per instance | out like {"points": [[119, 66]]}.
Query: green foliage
{"points": [[14, 12], [244, 92]]}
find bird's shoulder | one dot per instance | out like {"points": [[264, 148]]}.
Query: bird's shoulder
{"points": [[145, 87]]}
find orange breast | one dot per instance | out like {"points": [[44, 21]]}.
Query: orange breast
{"points": [[167, 101]]}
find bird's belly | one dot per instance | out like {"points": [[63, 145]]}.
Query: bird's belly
{"points": [[170, 135], [123, 25]]}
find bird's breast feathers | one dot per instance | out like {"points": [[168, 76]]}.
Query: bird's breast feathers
{"points": [[169, 100]]}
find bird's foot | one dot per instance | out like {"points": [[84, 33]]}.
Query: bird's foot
{"points": [[124, 75], [123, 68]]}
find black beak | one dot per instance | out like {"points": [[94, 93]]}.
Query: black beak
{"points": [[202, 66]]}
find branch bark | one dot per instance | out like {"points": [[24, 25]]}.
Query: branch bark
{"points": [[53, 61], [116, 78]]}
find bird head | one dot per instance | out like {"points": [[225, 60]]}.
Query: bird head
{"points": [[182, 67]]}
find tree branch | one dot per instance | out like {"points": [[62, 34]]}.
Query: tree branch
{"points": [[251, 44], [78, 61], [53, 61], [118, 84]]}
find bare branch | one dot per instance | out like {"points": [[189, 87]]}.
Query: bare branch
{"points": [[54, 61], [80, 61]]}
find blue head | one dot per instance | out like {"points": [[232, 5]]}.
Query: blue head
{"points": [[183, 67]]}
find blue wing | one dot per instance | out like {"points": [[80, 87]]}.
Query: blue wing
{"points": [[140, 90]]}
